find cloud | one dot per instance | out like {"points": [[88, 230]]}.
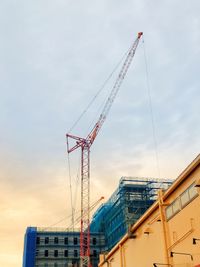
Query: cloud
{"points": [[54, 58]]}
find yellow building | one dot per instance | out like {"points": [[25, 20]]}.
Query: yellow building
{"points": [[168, 234]]}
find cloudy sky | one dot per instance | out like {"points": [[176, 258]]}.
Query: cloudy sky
{"points": [[54, 57]]}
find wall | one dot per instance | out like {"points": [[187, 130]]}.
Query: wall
{"points": [[156, 234]]}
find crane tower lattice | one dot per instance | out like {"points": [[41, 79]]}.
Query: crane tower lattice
{"points": [[85, 144]]}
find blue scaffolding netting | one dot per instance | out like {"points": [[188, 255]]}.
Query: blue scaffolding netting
{"points": [[126, 205]]}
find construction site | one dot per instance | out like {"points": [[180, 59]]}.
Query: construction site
{"points": [[126, 205], [145, 222], [53, 246]]}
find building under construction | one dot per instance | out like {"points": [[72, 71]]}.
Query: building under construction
{"points": [[54, 247], [168, 233], [126, 205]]}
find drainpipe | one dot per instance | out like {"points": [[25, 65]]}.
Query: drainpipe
{"points": [[121, 256], [164, 225]]}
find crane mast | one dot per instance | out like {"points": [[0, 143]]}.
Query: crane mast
{"points": [[85, 144]]}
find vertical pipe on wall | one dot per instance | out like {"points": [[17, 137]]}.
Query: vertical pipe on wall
{"points": [[121, 256], [164, 226], [124, 256]]}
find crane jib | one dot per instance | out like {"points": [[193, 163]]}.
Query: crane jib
{"points": [[85, 144], [117, 84]]}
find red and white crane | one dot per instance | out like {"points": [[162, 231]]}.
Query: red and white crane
{"points": [[85, 144]]}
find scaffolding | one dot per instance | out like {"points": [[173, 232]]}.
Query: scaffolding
{"points": [[126, 205]]}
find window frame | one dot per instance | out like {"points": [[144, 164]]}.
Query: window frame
{"points": [[66, 253], [56, 240], [46, 253], [196, 194], [55, 253], [181, 205], [38, 240], [46, 240], [94, 241], [75, 240], [75, 253]]}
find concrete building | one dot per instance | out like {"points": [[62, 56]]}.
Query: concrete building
{"points": [[57, 247], [126, 205], [168, 233]]}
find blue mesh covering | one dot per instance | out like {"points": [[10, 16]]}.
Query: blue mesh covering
{"points": [[126, 205], [29, 247]]}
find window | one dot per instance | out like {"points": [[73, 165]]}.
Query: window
{"points": [[188, 195], [55, 253], [176, 206], [55, 264], [38, 240], [94, 241], [75, 240], [95, 253], [172, 209], [46, 265], [46, 240], [184, 198], [192, 191], [66, 253], [75, 253], [46, 253], [66, 240], [55, 240]]}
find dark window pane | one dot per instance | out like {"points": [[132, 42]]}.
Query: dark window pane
{"points": [[66, 253], [75, 253], [46, 240], [38, 240], [75, 240], [94, 253], [66, 240], [94, 241], [56, 240], [46, 253], [55, 253]]}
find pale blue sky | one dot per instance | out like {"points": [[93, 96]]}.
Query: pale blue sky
{"points": [[54, 56]]}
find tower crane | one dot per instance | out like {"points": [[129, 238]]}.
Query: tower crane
{"points": [[85, 144]]}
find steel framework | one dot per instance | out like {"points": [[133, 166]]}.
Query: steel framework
{"points": [[85, 144], [127, 204]]}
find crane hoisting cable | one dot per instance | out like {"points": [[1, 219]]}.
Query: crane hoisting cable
{"points": [[85, 144]]}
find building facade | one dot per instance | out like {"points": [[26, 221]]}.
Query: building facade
{"points": [[168, 233], [58, 247], [126, 205], [55, 247]]}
